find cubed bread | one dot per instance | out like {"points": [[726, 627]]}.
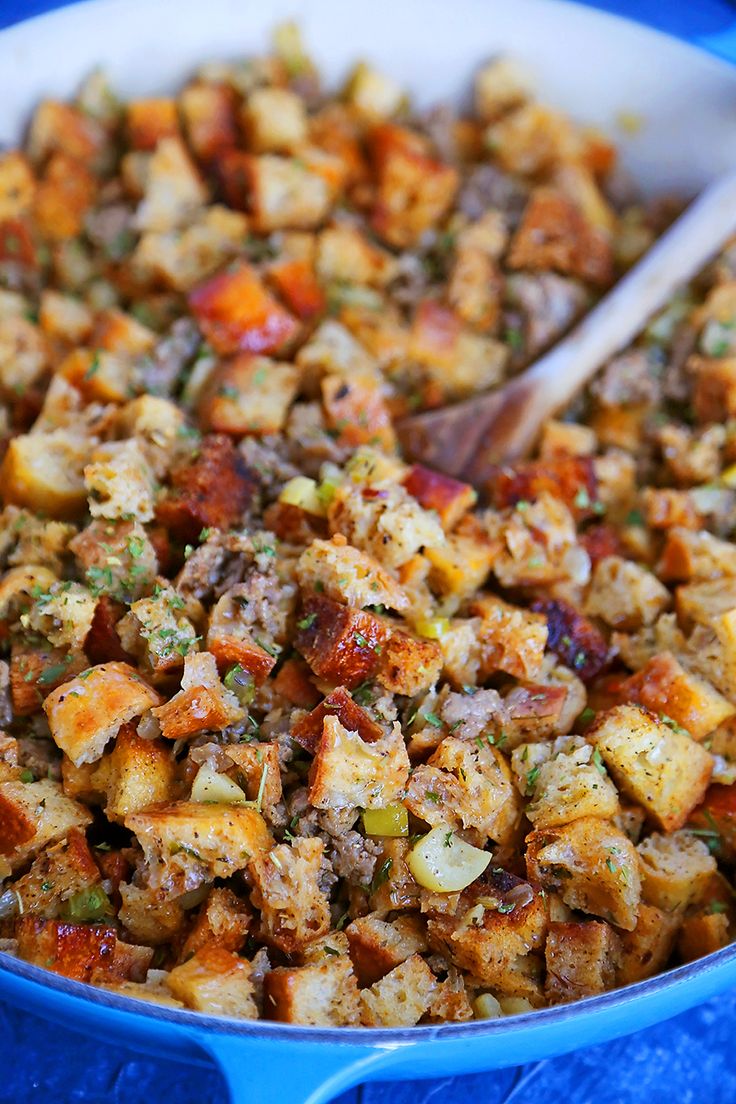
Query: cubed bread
{"points": [[581, 960], [345, 574], [140, 773], [249, 395], [119, 482], [512, 639], [347, 772], [88, 710], [202, 703], [624, 594], [592, 865], [675, 869], [323, 994], [34, 814], [294, 910], [564, 782], [215, 981], [186, 843], [401, 997], [647, 949], [664, 686], [237, 314], [74, 950], [703, 934], [496, 933], [656, 764], [223, 920], [56, 874], [172, 189], [377, 946]]}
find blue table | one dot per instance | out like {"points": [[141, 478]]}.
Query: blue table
{"points": [[689, 1059], [686, 1061]]}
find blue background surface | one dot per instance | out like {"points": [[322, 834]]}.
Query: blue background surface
{"points": [[688, 1060]]}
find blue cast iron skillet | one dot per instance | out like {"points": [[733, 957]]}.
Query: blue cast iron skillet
{"points": [[263, 1061]]}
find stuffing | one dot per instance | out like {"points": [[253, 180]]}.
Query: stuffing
{"points": [[565, 780], [348, 575], [294, 910], [202, 703], [215, 981], [348, 773], [581, 960], [625, 595], [119, 482]]}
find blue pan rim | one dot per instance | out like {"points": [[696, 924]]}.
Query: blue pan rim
{"points": [[40, 978]]}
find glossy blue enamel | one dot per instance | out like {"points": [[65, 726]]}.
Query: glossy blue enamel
{"points": [[263, 1062]]}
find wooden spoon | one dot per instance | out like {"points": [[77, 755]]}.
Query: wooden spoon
{"points": [[468, 439]]}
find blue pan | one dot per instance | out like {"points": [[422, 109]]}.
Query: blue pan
{"points": [[299, 1065]]}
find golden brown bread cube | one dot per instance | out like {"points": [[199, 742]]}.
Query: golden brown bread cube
{"points": [[714, 391], [215, 981], [512, 639], [449, 498], [499, 926], [657, 765], [461, 565], [624, 594], [43, 471], [340, 644], [347, 772], [249, 395], [695, 554], [34, 814], [202, 703], [592, 865], [675, 869], [378, 945], [321, 994], [74, 950], [356, 411], [564, 782], [87, 711], [141, 773], [186, 840], [223, 919], [149, 919], [294, 910], [665, 687], [645, 951], [488, 800], [703, 934], [345, 574], [414, 189], [581, 960], [17, 185], [555, 234], [56, 874], [401, 997]]}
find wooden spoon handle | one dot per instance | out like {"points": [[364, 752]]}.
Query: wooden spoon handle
{"points": [[556, 378]]}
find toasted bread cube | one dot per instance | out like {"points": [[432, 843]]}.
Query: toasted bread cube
{"points": [[173, 189], [237, 314], [499, 85], [321, 994], [716, 819], [297, 285], [448, 497], [714, 391], [119, 482], [349, 773], [356, 410], [64, 317], [658, 766], [118, 332], [57, 873], [275, 120], [43, 472], [249, 395], [130, 962], [457, 361], [377, 946], [294, 910], [374, 96], [215, 981], [73, 950], [307, 730], [554, 234], [460, 566], [209, 115], [574, 638], [141, 773], [181, 259], [531, 139], [17, 185], [63, 197], [409, 665], [148, 918], [625, 595], [202, 703], [564, 782], [414, 190], [592, 865], [214, 490], [694, 554], [401, 998], [703, 934], [461, 651], [88, 710], [35, 672], [581, 960], [194, 843], [24, 355], [286, 193], [152, 989], [340, 644], [488, 800], [157, 633], [345, 255], [495, 945], [148, 121], [223, 920], [646, 950], [666, 688], [348, 575], [675, 869], [512, 639], [711, 603], [63, 614]]}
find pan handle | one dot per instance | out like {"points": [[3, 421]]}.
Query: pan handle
{"points": [[292, 1071]]}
